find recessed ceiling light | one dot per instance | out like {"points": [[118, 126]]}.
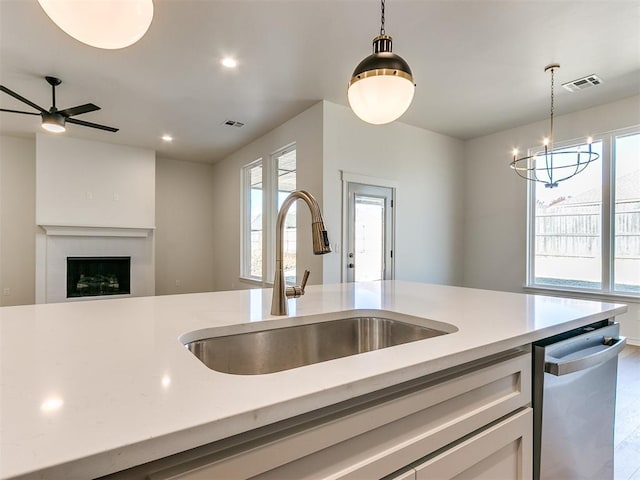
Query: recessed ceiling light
{"points": [[167, 138], [229, 62], [52, 404]]}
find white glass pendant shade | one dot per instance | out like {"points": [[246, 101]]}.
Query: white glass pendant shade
{"points": [[108, 24], [380, 99]]}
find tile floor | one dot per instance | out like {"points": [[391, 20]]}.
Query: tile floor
{"points": [[627, 433]]}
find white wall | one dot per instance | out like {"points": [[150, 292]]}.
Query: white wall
{"points": [[17, 220], [88, 183], [495, 198], [184, 227], [427, 169], [306, 130]]}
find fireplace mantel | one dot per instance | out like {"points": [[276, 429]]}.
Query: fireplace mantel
{"points": [[86, 231]]}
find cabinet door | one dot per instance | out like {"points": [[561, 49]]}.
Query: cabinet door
{"points": [[502, 451]]}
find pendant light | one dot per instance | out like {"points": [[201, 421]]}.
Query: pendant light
{"points": [[381, 88], [551, 166], [108, 24]]}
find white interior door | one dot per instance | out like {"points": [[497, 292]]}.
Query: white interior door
{"points": [[369, 252]]}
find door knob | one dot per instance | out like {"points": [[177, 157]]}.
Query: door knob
{"points": [[351, 265]]}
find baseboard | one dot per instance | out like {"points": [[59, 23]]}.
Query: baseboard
{"points": [[633, 341]]}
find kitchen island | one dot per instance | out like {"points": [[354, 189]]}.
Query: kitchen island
{"points": [[93, 388]]}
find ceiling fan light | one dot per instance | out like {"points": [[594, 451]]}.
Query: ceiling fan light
{"points": [[53, 122], [100, 23]]}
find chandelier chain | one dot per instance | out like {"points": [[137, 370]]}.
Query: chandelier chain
{"points": [[552, 99], [382, 31]]}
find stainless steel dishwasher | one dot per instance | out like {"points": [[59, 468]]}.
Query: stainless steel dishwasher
{"points": [[574, 397]]}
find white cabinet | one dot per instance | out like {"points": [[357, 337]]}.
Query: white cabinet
{"points": [[385, 432], [502, 451]]}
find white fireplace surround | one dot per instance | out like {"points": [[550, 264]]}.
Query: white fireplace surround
{"points": [[54, 243]]}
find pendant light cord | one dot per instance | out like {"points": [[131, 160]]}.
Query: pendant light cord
{"points": [[382, 31], [552, 98]]}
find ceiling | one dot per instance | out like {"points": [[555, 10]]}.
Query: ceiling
{"points": [[478, 65]]}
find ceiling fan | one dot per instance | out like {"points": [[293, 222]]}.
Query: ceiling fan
{"points": [[54, 120]]}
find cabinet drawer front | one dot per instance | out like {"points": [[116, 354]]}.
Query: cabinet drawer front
{"points": [[503, 451], [480, 398], [380, 437]]}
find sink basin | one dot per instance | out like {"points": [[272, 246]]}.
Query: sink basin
{"points": [[277, 349]]}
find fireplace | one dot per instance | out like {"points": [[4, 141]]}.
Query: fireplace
{"points": [[64, 253], [97, 276]]}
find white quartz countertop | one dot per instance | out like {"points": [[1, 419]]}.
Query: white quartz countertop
{"points": [[90, 388]]}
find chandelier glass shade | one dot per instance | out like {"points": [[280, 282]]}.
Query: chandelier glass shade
{"points": [[104, 24], [552, 166], [381, 87]]}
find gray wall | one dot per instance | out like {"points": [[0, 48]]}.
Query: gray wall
{"points": [[17, 220], [306, 130], [184, 227], [496, 199], [425, 166], [427, 169]]}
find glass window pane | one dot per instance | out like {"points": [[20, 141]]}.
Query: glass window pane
{"points": [[286, 168], [627, 214], [369, 238], [255, 221], [568, 229]]}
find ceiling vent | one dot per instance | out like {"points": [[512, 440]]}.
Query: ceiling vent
{"points": [[582, 83], [233, 123]]}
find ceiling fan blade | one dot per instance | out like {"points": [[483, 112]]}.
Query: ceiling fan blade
{"points": [[18, 111], [92, 125], [80, 109], [21, 98]]}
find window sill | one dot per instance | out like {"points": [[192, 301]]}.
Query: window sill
{"points": [[256, 282], [600, 296]]}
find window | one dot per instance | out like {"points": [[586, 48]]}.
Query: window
{"points": [[254, 224], [584, 235], [286, 167], [265, 185]]}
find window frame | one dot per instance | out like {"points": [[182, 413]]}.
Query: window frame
{"points": [[607, 215], [271, 240], [269, 216], [245, 224]]}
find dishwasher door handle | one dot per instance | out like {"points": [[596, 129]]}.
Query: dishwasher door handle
{"points": [[559, 367]]}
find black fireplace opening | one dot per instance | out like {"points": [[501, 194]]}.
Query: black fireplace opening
{"points": [[96, 276]]}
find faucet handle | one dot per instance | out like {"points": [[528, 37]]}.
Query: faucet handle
{"points": [[305, 277], [296, 291]]}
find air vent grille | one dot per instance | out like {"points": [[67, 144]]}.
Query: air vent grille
{"points": [[233, 123], [582, 83]]}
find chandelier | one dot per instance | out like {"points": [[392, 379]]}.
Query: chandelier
{"points": [[553, 166], [381, 87]]}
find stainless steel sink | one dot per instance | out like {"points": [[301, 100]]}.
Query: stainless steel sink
{"points": [[274, 350]]}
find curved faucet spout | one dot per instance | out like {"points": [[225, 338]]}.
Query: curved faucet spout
{"points": [[320, 247]]}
